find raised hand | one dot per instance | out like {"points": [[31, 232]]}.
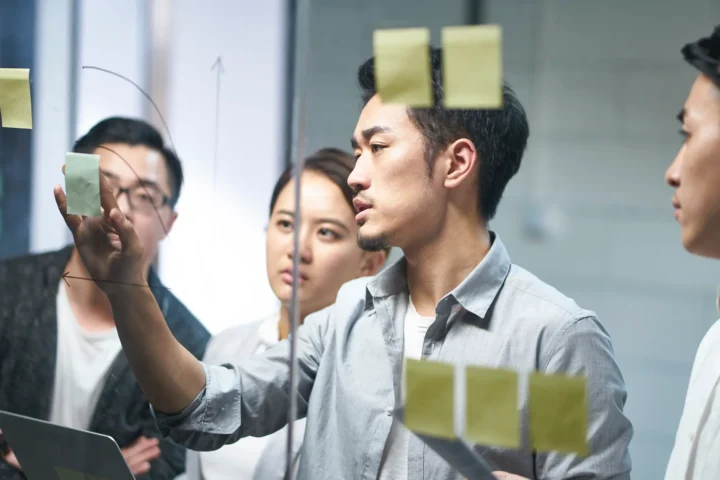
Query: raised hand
{"points": [[108, 245], [139, 455]]}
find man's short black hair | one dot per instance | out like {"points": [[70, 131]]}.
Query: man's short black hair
{"points": [[133, 132], [500, 136], [704, 55]]}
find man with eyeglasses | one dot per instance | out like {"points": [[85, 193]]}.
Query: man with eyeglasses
{"points": [[60, 355]]}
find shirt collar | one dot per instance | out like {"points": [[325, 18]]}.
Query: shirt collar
{"points": [[476, 293]]}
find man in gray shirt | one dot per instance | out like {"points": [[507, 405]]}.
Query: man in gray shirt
{"points": [[428, 181]]}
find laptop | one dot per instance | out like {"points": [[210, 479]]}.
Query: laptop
{"points": [[51, 452]]}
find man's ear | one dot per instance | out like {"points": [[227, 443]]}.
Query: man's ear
{"points": [[461, 160], [168, 223], [372, 263]]}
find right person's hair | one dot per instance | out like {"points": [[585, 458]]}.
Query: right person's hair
{"points": [[704, 55], [500, 136], [334, 163]]}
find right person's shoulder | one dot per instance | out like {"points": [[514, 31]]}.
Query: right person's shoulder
{"points": [[709, 345]]}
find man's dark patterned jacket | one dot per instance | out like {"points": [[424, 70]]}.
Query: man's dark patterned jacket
{"points": [[28, 344]]}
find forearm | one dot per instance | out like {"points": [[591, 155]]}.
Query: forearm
{"points": [[169, 375]]}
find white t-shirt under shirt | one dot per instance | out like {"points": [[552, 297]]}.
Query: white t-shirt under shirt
{"points": [[81, 366], [395, 457], [694, 455]]}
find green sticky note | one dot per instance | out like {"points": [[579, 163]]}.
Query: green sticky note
{"points": [[82, 184], [558, 413], [402, 66], [492, 416], [472, 66], [15, 107], [429, 395], [67, 474]]}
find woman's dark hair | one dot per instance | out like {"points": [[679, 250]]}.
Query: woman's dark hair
{"points": [[334, 163]]}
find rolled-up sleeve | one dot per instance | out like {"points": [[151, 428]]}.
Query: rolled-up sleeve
{"points": [[584, 348], [250, 398]]}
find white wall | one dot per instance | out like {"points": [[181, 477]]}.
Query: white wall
{"points": [[213, 259], [112, 36], [602, 82], [51, 131]]}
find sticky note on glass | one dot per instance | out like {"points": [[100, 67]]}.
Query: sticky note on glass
{"points": [[429, 397], [67, 474], [82, 184], [491, 413], [472, 67], [558, 413], [402, 66], [15, 107]]}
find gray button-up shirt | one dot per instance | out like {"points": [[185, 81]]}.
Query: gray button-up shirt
{"points": [[350, 364]]}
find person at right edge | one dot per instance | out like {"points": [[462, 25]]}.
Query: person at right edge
{"points": [[427, 181], [695, 176]]}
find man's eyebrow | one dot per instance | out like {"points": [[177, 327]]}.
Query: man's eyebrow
{"points": [[681, 116], [368, 133], [141, 181]]}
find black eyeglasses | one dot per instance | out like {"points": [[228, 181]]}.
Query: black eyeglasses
{"points": [[144, 198]]}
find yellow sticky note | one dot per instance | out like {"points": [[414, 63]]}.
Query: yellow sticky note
{"points": [[558, 413], [429, 394], [15, 107], [82, 184], [492, 416], [402, 66], [67, 474], [472, 66]]}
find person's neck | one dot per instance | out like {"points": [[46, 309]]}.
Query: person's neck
{"points": [[435, 268], [284, 322]]}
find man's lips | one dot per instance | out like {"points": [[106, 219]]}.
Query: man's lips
{"points": [[360, 206]]}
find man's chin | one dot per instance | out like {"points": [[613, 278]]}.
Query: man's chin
{"points": [[372, 243]]}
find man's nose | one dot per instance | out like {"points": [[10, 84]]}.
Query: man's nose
{"points": [[123, 201], [359, 178], [672, 174]]}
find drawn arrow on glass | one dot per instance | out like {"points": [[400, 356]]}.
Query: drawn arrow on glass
{"points": [[67, 275]]}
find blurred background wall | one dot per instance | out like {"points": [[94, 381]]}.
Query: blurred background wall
{"points": [[589, 211]]}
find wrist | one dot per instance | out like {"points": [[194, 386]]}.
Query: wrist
{"points": [[123, 292]]}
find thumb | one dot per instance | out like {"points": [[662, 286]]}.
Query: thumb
{"points": [[126, 232]]}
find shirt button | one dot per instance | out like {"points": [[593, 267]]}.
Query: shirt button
{"points": [[389, 411]]}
